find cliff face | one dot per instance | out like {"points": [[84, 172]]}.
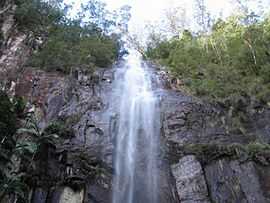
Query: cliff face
{"points": [[14, 49], [208, 153], [211, 159], [204, 156], [82, 162]]}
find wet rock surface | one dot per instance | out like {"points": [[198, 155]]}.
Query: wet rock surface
{"points": [[216, 134], [232, 181], [81, 164], [188, 120], [198, 160], [82, 160], [190, 181]]}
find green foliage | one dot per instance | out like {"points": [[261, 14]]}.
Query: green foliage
{"points": [[37, 136], [19, 104], [7, 117], [13, 185], [61, 129], [95, 11], [37, 15], [10, 183], [26, 147], [259, 152], [68, 43], [7, 130], [232, 60], [72, 45], [31, 141]]}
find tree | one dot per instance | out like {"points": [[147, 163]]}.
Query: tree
{"points": [[242, 6], [96, 13], [176, 20], [38, 16], [124, 18], [236, 61], [13, 186], [75, 45], [250, 14], [202, 16], [86, 41], [38, 137]]}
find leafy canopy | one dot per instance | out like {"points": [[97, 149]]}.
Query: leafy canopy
{"points": [[234, 59], [90, 40]]}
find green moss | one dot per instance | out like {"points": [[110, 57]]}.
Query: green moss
{"points": [[73, 120], [19, 106], [207, 153], [90, 166], [256, 147], [61, 129]]}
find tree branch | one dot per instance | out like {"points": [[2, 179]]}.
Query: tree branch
{"points": [[5, 9]]}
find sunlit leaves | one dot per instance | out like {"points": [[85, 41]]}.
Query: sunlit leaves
{"points": [[233, 59], [86, 41]]}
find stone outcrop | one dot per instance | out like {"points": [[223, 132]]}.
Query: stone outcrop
{"points": [[190, 181], [188, 120], [232, 181], [70, 196]]}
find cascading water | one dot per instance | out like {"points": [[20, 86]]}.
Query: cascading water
{"points": [[135, 179]]}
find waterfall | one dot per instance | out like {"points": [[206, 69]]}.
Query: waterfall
{"points": [[135, 179]]}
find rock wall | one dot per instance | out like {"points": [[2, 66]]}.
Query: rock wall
{"points": [[207, 151], [212, 159], [83, 159], [14, 50], [80, 165], [190, 181], [200, 152]]}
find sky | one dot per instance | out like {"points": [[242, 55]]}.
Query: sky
{"points": [[151, 10], [145, 11]]}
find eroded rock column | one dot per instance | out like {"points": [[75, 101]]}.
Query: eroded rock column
{"points": [[190, 182]]}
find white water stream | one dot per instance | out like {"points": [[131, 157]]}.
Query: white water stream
{"points": [[135, 179]]}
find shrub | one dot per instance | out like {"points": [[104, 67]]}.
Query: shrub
{"points": [[72, 45], [7, 117], [37, 15], [59, 128], [233, 59]]}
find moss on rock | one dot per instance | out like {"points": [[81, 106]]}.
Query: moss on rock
{"points": [[206, 153]]}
